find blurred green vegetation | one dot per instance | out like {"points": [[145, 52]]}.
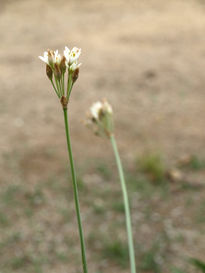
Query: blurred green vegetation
{"points": [[29, 212], [153, 166]]}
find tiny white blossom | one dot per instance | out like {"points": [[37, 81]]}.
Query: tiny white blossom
{"points": [[74, 66], [71, 55], [99, 106], [100, 118], [44, 58], [57, 57], [51, 57], [67, 54], [95, 109], [74, 54]]}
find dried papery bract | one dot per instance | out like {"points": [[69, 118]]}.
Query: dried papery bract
{"points": [[64, 102], [57, 67], [100, 119]]}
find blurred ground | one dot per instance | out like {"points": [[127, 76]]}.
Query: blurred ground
{"points": [[148, 59]]}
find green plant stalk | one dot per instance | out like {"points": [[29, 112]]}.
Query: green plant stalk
{"points": [[75, 189], [126, 205], [55, 88], [69, 84]]}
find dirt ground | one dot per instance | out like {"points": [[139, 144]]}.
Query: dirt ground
{"points": [[148, 59]]}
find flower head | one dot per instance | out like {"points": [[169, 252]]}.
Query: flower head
{"points": [[101, 118], [57, 65]]}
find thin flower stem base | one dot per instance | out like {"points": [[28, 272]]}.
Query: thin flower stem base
{"points": [[126, 205], [75, 189]]}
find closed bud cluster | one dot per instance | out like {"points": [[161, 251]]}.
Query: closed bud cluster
{"points": [[57, 66], [100, 118]]}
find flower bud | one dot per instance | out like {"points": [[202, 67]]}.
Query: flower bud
{"points": [[50, 57], [63, 65], [49, 72], [57, 72], [75, 75]]}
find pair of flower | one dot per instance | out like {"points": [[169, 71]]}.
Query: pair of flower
{"points": [[56, 67]]}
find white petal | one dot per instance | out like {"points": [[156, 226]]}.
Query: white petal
{"points": [[95, 108], [74, 54], [44, 59], [67, 49], [107, 107]]}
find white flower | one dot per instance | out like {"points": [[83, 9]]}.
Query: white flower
{"points": [[57, 57], [74, 66], [99, 106], [71, 55], [101, 118], [74, 54], [45, 57], [67, 54], [51, 57], [95, 109]]}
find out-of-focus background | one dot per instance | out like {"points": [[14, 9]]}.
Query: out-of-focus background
{"points": [[148, 59]]}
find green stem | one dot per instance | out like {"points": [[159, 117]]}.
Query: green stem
{"points": [[69, 85], [63, 85], [58, 86], [55, 88], [75, 189], [126, 205]]}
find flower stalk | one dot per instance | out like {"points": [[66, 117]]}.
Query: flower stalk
{"points": [[75, 188], [101, 121], [126, 204], [56, 67]]}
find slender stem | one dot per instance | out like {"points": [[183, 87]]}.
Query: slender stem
{"points": [[126, 205], [70, 88], [55, 88], [58, 86], [69, 85], [75, 189], [63, 85]]}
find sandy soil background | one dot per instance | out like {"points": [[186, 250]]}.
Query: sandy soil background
{"points": [[146, 57]]}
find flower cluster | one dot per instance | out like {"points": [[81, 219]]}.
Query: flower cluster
{"points": [[100, 118], [56, 68]]}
